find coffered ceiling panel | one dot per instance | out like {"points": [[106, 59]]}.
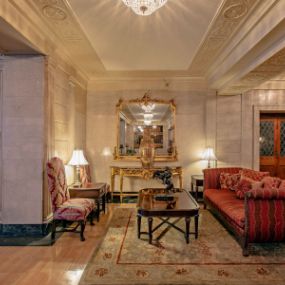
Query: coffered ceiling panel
{"points": [[166, 40]]}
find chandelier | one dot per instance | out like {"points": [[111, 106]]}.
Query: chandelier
{"points": [[144, 7]]}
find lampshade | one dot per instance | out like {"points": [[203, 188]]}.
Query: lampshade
{"points": [[209, 154], [78, 158]]}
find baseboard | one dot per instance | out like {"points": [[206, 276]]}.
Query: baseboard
{"points": [[20, 230]]}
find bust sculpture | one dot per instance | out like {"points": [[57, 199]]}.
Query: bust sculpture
{"points": [[166, 177]]}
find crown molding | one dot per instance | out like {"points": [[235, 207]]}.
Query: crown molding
{"points": [[271, 68], [228, 52], [261, 41], [145, 83], [228, 20]]}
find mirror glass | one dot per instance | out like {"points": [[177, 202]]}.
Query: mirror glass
{"points": [[136, 115]]}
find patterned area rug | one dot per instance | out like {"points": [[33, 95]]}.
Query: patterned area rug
{"points": [[214, 258]]}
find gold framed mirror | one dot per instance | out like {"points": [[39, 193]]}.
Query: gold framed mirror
{"points": [[135, 115]]}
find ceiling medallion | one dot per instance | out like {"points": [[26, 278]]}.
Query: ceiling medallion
{"points": [[144, 7], [54, 12], [236, 11]]}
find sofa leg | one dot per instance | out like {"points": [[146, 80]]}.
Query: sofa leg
{"points": [[205, 206], [245, 252], [82, 227]]}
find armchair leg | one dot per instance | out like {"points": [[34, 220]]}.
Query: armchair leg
{"points": [[82, 227], [91, 216], [53, 228]]}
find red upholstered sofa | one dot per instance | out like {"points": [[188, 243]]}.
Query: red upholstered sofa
{"points": [[260, 217]]}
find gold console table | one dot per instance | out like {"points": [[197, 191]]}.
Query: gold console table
{"points": [[141, 173]]}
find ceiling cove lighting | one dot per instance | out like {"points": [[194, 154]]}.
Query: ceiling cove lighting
{"points": [[144, 7]]}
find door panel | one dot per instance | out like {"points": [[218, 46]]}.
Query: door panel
{"points": [[267, 140], [272, 144], [281, 150]]}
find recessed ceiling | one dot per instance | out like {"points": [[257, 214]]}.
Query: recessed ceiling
{"points": [[166, 40]]}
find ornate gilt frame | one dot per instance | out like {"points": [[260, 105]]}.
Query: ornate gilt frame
{"points": [[144, 100]]}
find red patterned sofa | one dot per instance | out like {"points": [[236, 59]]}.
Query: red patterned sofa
{"points": [[259, 217]]}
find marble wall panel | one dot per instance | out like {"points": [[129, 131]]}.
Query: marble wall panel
{"points": [[23, 139], [235, 141]]}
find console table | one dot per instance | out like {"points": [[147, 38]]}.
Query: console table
{"points": [[141, 173]]}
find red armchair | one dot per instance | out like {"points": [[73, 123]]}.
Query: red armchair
{"points": [[66, 209]]}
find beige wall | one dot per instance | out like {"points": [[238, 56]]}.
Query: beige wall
{"points": [[22, 139], [101, 130]]}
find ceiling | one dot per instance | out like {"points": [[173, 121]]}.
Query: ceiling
{"points": [[165, 40], [225, 45]]}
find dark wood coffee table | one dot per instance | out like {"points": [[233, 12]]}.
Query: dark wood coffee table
{"points": [[185, 206]]}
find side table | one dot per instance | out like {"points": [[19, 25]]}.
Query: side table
{"points": [[96, 191], [196, 182]]}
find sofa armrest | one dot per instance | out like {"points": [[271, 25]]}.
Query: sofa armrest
{"points": [[266, 193], [264, 216], [212, 176]]}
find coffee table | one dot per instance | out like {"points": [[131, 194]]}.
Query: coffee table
{"points": [[183, 206]]}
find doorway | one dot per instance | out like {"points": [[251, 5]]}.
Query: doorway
{"points": [[272, 143]]}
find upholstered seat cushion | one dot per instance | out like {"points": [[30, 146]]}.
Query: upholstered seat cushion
{"points": [[74, 209], [227, 203]]}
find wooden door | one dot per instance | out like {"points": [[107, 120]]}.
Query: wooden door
{"points": [[272, 144]]}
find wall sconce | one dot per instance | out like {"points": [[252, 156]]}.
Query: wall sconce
{"points": [[106, 152], [77, 160], [209, 155]]}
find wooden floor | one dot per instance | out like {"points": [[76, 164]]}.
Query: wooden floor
{"points": [[62, 263]]}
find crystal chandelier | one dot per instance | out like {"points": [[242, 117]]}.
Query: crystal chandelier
{"points": [[144, 7]]}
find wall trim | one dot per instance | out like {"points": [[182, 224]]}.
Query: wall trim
{"points": [[28, 230], [257, 109], [1, 131], [154, 83]]}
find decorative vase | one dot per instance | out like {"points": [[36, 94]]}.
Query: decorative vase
{"points": [[147, 149]]}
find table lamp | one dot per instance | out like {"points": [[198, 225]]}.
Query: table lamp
{"points": [[209, 155], [77, 160]]}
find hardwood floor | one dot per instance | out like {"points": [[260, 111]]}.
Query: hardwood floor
{"points": [[60, 264]]}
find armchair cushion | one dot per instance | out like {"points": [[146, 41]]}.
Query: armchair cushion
{"points": [[74, 209]]}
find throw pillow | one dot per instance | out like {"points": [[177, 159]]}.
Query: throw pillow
{"points": [[282, 185], [246, 184], [253, 174], [229, 180], [271, 182]]}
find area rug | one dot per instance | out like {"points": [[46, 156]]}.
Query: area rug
{"points": [[214, 258]]}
